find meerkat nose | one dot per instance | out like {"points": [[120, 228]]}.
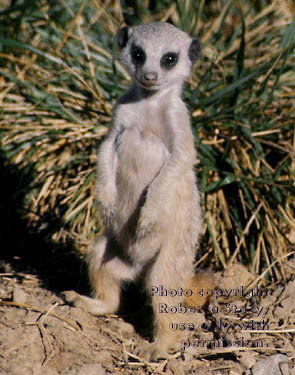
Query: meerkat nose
{"points": [[152, 76]]}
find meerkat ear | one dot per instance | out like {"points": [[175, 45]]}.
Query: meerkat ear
{"points": [[195, 50], [122, 37]]}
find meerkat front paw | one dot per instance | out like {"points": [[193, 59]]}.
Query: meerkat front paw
{"points": [[146, 223], [143, 231], [107, 214]]}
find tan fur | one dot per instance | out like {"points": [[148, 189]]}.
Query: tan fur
{"points": [[146, 185]]}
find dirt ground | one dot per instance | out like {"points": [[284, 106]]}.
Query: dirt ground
{"points": [[241, 333]]}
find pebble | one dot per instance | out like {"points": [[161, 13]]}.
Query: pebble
{"points": [[94, 369], [19, 296], [270, 366]]}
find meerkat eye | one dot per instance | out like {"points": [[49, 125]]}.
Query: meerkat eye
{"points": [[169, 60], [138, 56]]}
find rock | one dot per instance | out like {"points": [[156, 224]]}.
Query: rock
{"points": [[91, 369], [94, 369], [19, 296], [18, 369], [290, 289], [233, 277], [127, 329], [104, 357], [70, 371], [174, 366], [247, 359], [271, 365], [41, 370]]}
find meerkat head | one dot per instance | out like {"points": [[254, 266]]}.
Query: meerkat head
{"points": [[157, 55]]}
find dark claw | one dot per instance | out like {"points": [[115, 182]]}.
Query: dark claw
{"points": [[142, 233], [107, 216]]}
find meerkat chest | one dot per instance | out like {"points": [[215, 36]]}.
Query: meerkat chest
{"points": [[142, 131], [140, 143]]}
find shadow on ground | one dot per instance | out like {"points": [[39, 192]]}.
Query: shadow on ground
{"points": [[29, 250], [58, 266]]}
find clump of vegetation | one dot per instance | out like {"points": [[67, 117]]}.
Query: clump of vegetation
{"points": [[59, 81]]}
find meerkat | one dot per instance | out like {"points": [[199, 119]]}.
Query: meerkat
{"points": [[146, 185]]}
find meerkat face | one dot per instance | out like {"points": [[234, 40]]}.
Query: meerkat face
{"points": [[157, 55]]}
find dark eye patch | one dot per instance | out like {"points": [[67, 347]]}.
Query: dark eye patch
{"points": [[169, 60], [138, 56]]}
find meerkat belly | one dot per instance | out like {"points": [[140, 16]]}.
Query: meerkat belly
{"points": [[141, 155]]}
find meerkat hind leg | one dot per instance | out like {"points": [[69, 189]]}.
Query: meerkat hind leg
{"points": [[106, 271], [106, 285], [91, 305], [166, 339]]}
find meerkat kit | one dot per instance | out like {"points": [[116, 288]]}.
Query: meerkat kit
{"points": [[146, 186]]}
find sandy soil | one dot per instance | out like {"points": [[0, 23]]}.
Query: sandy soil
{"points": [[41, 334]]}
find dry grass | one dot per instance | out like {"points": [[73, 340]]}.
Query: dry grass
{"points": [[59, 81]]}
